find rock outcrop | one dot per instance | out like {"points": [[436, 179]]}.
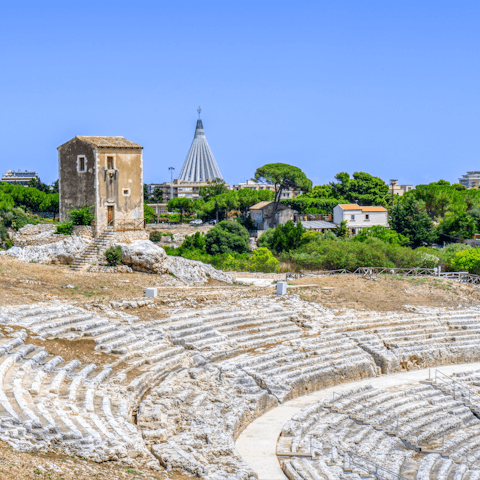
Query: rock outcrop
{"points": [[61, 251], [33, 235], [145, 256]]}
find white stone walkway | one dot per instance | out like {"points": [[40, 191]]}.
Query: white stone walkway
{"points": [[258, 442]]}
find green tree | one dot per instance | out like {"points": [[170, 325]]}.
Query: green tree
{"points": [[227, 237], [180, 205], [156, 196], [214, 187], [363, 187], [342, 230], [149, 214], [459, 226], [283, 238], [145, 192], [55, 188], [385, 234], [284, 177], [39, 185], [410, 218], [50, 204]]}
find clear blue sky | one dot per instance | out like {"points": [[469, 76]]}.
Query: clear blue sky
{"points": [[386, 87]]}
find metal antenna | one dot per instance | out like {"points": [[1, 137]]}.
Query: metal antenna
{"points": [[199, 110]]}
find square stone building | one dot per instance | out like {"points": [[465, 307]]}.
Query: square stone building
{"points": [[106, 172]]}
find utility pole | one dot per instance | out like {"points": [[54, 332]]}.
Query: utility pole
{"points": [[172, 169], [393, 183]]}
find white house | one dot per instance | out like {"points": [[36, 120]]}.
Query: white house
{"points": [[358, 217]]}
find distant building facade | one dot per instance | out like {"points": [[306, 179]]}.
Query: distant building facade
{"points": [[106, 172], [20, 177], [398, 189], [358, 217], [262, 212], [252, 185], [470, 180]]}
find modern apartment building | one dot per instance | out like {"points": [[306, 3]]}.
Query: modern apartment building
{"points": [[470, 180], [21, 177]]}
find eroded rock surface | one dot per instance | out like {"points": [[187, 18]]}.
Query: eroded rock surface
{"points": [[61, 251], [146, 256]]}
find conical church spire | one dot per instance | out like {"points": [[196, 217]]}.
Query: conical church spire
{"points": [[200, 164]]}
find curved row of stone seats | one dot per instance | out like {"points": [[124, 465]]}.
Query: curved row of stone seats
{"points": [[422, 415], [53, 401], [323, 435], [307, 364]]}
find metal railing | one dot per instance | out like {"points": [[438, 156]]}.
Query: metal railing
{"points": [[372, 468], [457, 386], [129, 225], [463, 277]]}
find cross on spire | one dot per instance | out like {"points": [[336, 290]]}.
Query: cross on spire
{"points": [[199, 110]]}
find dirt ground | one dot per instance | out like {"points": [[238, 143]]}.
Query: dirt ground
{"points": [[23, 283], [386, 292]]}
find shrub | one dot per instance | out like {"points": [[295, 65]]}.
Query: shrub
{"points": [[331, 255], [385, 234], [156, 236], [309, 236], [266, 238], [227, 237], [14, 217], [8, 243], [81, 216], [447, 254], [468, 260], [113, 256], [197, 240], [64, 228], [262, 260]]}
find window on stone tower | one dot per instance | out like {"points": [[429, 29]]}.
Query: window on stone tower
{"points": [[110, 163], [81, 164]]}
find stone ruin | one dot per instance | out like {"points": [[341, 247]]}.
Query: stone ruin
{"points": [[182, 388]]}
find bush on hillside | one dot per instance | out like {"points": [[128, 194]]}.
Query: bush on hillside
{"points": [[348, 254], [81, 216], [447, 254], [197, 240], [468, 260], [155, 236], [385, 234], [64, 228], [227, 237], [15, 218], [113, 256], [263, 260]]}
